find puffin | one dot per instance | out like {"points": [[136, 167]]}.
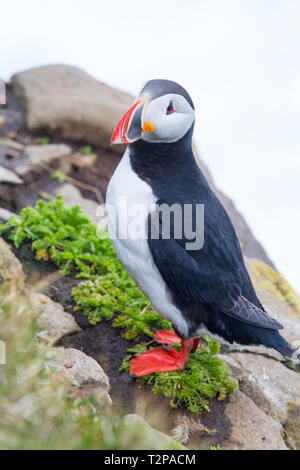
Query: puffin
{"points": [[195, 278]]}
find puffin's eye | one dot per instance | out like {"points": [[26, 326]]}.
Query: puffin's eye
{"points": [[170, 108]]}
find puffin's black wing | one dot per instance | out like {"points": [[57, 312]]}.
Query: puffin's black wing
{"points": [[214, 275]]}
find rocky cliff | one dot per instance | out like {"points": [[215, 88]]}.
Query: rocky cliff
{"points": [[54, 139]]}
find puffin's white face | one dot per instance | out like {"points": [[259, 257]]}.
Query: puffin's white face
{"points": [[163, 112], [171, 117]]}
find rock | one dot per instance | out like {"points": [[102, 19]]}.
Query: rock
{"points": [[72, 196], [11, 144], [268, 280], [12, 116], [83, 373], [269, 383], [39, 154], [147, 438], [10, 267], [251, 428], [83, 161], [8, 176], [67, 101], [292, 424], [277, 297], [283, 313], [5, 215], [54, 323], [27, 160]]}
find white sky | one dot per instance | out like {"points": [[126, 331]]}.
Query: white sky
{"points": [[240, 61]]}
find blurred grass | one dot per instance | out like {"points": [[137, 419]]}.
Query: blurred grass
{"points": [[36, 411]]}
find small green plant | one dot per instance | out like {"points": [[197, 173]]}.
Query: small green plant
{"points": [[58, 175], [215, 448], [114, 295], [204, 377], [42, 140], [64, 233], [86, 150], [65, 236]]}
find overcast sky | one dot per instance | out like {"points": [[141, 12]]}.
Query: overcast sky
{"points": [[240, 61]]}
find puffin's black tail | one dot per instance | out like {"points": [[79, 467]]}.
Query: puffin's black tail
{"points": [[273, 339], [237, 331], [285, 348]]}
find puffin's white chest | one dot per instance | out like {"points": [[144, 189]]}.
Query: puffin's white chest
{"points": [[127, 196], [129, 201]]}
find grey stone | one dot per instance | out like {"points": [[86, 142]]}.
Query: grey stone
{"points": [[39, 154], [145, 437], [5, 215], [250, 427], [84, 375], [8, 176], [54, 323], [268, 382], [66, 100], [11, 270], [83, 161]]}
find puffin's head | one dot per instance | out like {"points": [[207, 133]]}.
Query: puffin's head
{"points": [[162, 112]]}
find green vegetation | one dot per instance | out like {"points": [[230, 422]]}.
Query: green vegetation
{"points": [[114, 295], [36, 411], [58, 175], [266, 278], [86, 150], [204, 377], [65, 236], [42, 140]]}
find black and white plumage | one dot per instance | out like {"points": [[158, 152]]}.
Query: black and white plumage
{"points": [[209, 287]]}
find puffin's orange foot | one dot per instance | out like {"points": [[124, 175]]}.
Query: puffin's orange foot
{"points": [[161, 359], [155, 360], [166, 337]]}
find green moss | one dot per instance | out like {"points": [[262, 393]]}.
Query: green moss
{"points": [[115, 296], [58, 175], [42, 140], [204, 377], [266, 278], [86, 150], [65, 236]]}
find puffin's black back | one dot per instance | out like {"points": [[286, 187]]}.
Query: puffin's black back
{"points": [[220, 272], [175, 178]]}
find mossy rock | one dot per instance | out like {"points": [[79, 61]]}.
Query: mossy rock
{"points": [[266, 278]]}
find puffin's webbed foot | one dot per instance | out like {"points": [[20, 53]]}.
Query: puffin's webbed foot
{"points": [[166, 337], [161, 360]]}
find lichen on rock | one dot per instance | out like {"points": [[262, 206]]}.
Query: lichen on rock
{"points": [[266, 278]]}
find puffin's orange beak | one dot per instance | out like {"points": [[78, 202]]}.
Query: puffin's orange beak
{"points": [[131, 125]]}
